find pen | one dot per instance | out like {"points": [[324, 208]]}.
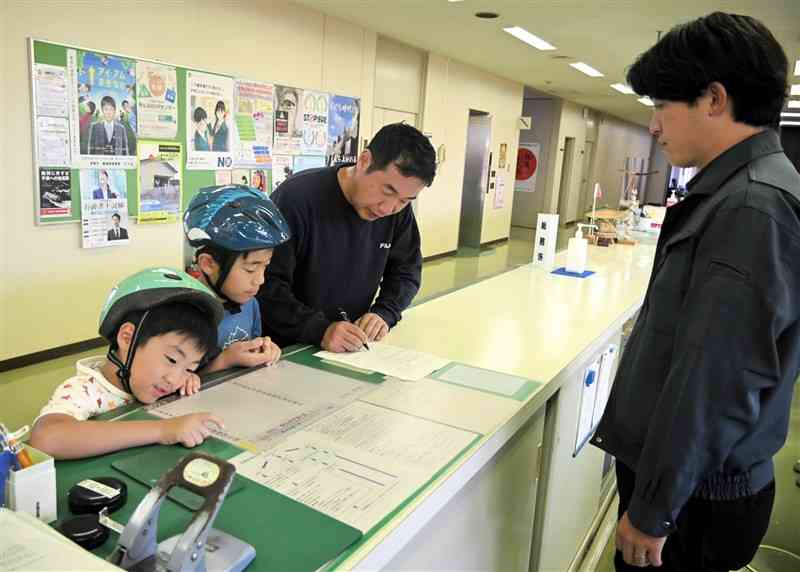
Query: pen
{"points": [[343, 314]]}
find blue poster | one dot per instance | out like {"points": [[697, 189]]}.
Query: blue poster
{"points": [[343, 123], [106, 104]]}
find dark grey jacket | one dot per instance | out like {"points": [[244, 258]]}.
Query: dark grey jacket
{"points": [[702, 396]]}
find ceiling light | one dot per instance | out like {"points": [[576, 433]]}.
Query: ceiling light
{"points": [[797, 67], [795, 90], [784, 114], [646, 101], [793, 105], [587, 69], [622, 88], [528, 38], [790, 123]]}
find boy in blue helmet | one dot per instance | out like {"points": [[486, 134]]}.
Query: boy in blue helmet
{"points": [[235, 229], [160, 324]]}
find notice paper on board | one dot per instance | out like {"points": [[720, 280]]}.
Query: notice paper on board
{"points": [[393, 361]]}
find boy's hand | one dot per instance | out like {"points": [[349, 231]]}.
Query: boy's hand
{"points": [[250, 353], [189, 430], [191, 386], [271, 350]]}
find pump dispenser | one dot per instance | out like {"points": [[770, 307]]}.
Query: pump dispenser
{"points": [[672, 200], [577, 250]]}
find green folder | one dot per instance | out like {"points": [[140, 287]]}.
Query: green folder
{"points": [[286, 534]]}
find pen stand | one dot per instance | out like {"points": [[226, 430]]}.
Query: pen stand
{"points": [[33, 489]]}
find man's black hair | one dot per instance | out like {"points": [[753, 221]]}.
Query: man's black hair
{"points": [[108, 100], [407, 148], [119, 218], [181, 318], [199, 114], [737, 51]]}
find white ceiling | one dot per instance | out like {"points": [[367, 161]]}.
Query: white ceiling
{"points": [[606, 34]]}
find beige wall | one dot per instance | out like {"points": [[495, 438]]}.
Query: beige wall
{"points": [[399, 76], [52, 289], [617, 140], [571, 124], [452, 89]]}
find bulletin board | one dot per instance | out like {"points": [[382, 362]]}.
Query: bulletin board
{"points": [[111, 124]]}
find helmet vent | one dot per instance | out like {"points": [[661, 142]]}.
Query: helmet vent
{"points": [[172, 277]]}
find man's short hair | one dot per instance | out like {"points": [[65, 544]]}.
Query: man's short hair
{"points": [[108, 100], [116, 216], [405, 147], [737, 51]]}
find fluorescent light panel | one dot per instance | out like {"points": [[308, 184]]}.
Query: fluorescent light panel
{"points": [[646, 101], [790, 123], [794, 105], [797, 67], [587, 69], [622, 88], [525, 36], [795, 90], [784, 114]]}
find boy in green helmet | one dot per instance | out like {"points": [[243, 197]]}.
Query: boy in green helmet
{"points": [[160, 324]]}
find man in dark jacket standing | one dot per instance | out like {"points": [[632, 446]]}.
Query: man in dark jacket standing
{"points": [[702, 397]]}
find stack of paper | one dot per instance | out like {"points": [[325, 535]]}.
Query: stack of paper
{"points": [[29, 544], [389, 360]]}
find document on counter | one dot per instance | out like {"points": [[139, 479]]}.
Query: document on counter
{"points": [[359, 464], [30, 544], [393, 361], [262, 407]]}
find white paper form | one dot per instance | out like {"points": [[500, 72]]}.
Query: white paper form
{"points": [[604, 383], [51, 90], [262, 407], [358, 464], [33, 545], [53, 141], [393, 361]]}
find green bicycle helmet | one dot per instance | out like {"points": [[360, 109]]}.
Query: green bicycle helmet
{"points": [[144, 291]]}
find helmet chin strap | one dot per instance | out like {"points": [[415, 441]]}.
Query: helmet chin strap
{"points": [[224, 269], [124, 369]]}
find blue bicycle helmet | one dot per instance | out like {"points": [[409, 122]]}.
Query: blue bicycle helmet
{"points": [[229, 220]]}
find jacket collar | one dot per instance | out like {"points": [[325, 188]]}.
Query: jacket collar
{"points": [[719, 170]]}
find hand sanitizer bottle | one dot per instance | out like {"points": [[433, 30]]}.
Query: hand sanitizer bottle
{"points": [[577, 249], [672, 200]]}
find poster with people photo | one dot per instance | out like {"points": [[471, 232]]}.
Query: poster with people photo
{"points": [[288, 120], [282, 169], [261, 179], [55, 195], [315, 123], [159, 181], [157, 107], [104, 208], [102, 110], [344, 119], [254, 106], [210, 127]]}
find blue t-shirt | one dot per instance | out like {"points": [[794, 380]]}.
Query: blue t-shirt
{"points": [[245, 325]]}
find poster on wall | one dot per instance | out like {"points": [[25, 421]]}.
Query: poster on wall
{"points": [[104, 208], [304, 162], [241, 177], [51, 90], [288, 121], [52, 141], [102, 110], [159, 181], [209, 100], [527, 167], [315, 123], [55, 196], [157, 100], [222, 177], [253, 110], [282, 169], [500, 191], [343, 124], [260, 179]]}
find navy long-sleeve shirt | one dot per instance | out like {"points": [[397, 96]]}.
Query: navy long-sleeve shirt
{"points": [[335, 260]]}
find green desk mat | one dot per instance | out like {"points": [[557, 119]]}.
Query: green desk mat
{"points": [[306, 357], [287, 535], [146, 468]]}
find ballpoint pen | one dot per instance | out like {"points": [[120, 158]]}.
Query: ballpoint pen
{"points": [[343, 314]]}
